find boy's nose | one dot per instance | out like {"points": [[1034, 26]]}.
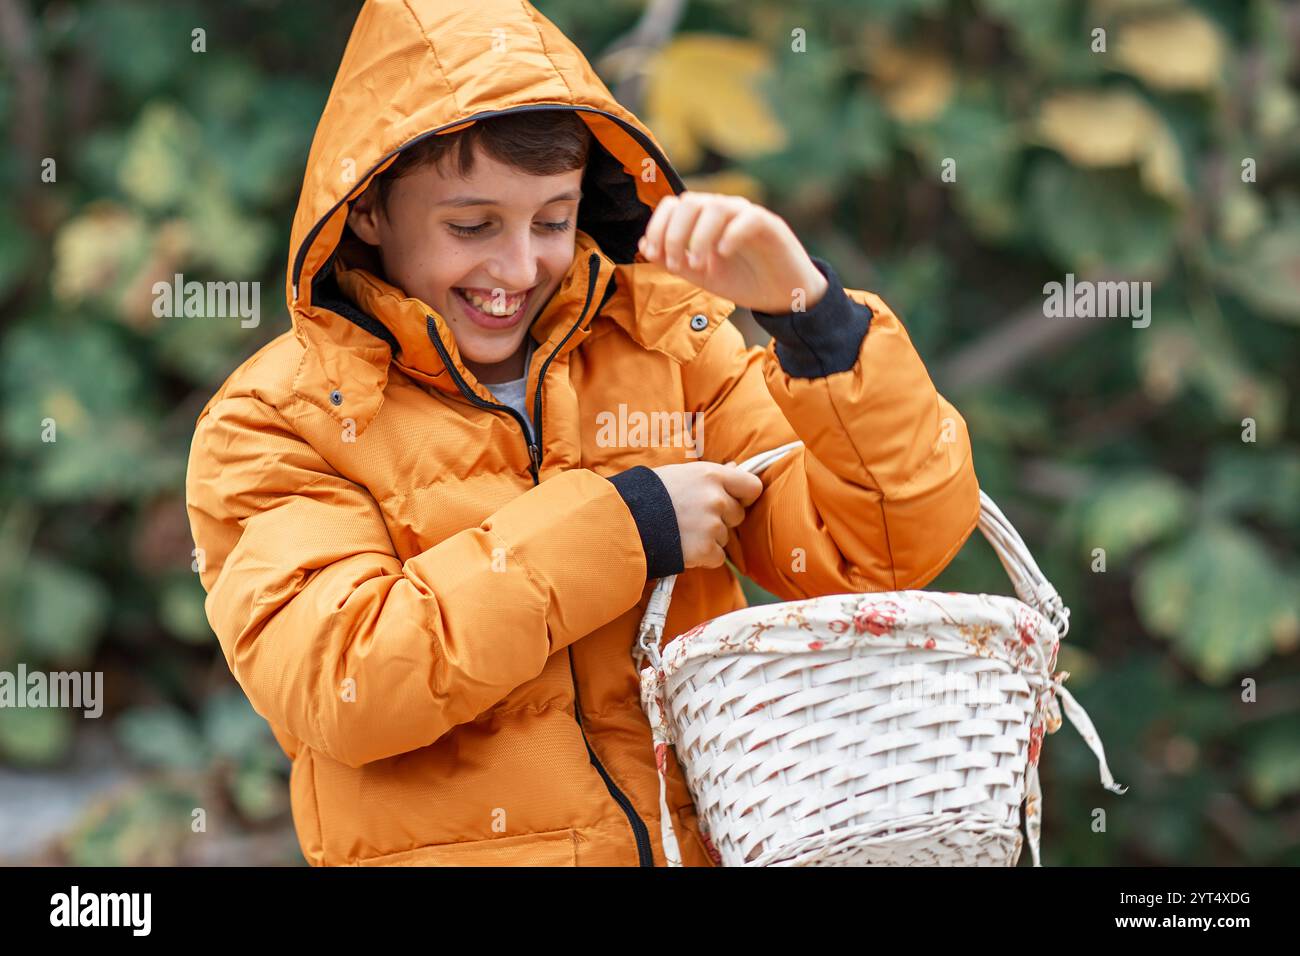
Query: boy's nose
{"points": [[514, 268]]}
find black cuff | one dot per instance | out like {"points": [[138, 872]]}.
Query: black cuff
{"points": [[824, 340], [652, 509]]}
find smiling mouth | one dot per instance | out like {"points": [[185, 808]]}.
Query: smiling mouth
{"points": [[492, 305]]}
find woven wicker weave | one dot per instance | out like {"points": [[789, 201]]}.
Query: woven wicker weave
{"points": [[896, 728]]}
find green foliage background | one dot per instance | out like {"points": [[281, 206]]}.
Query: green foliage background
{"points": [[1171, 157]]}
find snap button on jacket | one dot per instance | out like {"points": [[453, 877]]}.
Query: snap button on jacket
{"points": [[437, 621]]}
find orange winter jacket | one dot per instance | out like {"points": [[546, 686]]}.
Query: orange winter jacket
{"points": [[437, 619]]}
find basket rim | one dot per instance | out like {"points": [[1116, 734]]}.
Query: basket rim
{"points": [[985, 622]]}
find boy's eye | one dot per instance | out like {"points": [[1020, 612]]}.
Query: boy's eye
{"points": [[467, 230], [476, 229]]}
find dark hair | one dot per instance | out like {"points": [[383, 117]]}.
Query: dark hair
{"points": [[539, 142]]}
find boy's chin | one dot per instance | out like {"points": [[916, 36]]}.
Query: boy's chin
{"points": [[490, 351]]}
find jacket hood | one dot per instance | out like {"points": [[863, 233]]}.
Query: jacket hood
{"points": [[418, 68]]}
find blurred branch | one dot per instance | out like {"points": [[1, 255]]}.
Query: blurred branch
{"points": [[85, 86], [629, 55], [1123, 415], [1292, 16], [1052, 479], [31, 81], [1025, 337], [1282, 700], [1230, 818]]}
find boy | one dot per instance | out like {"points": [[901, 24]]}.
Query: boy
{"points": [[425, 554]]}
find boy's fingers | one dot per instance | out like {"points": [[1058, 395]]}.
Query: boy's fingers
{"points": [[733, 513], [654, 232], [679, 231], [739, 227], [708, 227], [741, 485]]}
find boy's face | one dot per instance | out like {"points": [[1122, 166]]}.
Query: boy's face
{"points": [[486, 252]]}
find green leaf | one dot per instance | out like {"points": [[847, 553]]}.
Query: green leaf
{"points": [[1007, 416], [984, 145], [162, 736], [260, 794], [16, 248], [61, 611], [76, 403], [1265, 272], [204, 349], [1175, 354], [235, 245], [892, 9], [1130, 510], [1220, 599], [1051, 35], [1100, 220], [919, 279], [233, 729], [180, 608], [142, 46], [825, 148], [1273, 765], [869, 147], [76, 376], [1252, 480], [35, 736]]}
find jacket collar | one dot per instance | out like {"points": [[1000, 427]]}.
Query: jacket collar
{"points": [[369, 326], [425, 346]]}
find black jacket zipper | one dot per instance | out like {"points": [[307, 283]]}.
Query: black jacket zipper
{"points": [[645, 855], [534, 448]]}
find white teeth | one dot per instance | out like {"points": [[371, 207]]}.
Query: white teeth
{"points": [[489, 305]]}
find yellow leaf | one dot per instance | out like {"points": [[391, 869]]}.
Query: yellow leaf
{"points": [[1285, 631], [732, 182], [1242, 213], [1114, 129], [1162, 169], [93, 252], [1277, 112], [1167, 362], [1181, 50], [922, 92], [156, 167], [914, 84], [63, 406], [702, 91]]}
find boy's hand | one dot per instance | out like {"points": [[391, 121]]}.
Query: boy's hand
{"points": [[709, 500], [734, 248]]}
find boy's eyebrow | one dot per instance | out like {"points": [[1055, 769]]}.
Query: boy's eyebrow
{"points": [[476, 201]]}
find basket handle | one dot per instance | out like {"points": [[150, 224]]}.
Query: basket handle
{"points": [[1026, 577]]}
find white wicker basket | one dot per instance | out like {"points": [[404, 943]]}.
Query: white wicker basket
{"points": [[897, 728]]}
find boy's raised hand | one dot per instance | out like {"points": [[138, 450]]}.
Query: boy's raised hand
{"points": [[734, 248], [709, 500]]}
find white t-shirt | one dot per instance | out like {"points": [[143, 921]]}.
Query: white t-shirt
{"points": [[512, 393]]}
